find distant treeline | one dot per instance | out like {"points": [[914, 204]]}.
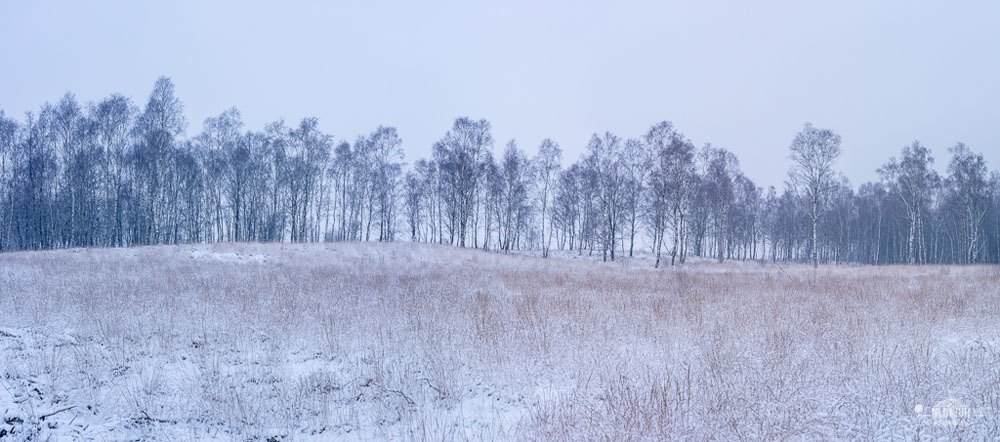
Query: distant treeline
{"points": [[114, 174]]}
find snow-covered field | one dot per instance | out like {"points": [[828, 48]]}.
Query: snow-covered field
{"points": [[420, 342]]}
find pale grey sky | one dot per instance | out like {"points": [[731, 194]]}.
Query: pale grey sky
{"points": [[741, 75]]}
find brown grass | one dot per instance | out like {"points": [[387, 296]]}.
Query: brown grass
{"points": [[427, 342]]}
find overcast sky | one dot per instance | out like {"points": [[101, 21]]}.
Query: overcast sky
{"points": [[741, 75]]}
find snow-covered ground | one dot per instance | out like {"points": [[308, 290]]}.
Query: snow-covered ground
{"points": [[421, 342]]}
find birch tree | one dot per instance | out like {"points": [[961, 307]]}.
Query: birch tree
{"points": [[546, 168], [968, 189], [813, 153], [607, 167], [459, 156], [912, 179]]}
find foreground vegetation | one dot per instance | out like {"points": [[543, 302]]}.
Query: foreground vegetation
{"points": [[422, 342]]}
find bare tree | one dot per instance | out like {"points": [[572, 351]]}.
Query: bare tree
{"points": [[115, 118], [514, 180], [566, 206], [459, 156], [546, 167], [604, 161], [158, 128], [813, 154], [8, 142], [721, 175], [672, 184], [968, 191], [635, 168], [80, 174], [414, 200], [387, 154], [912, 179], [218, 152]]}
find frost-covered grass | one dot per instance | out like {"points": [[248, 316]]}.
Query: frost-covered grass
{"points": [[421, 342]]}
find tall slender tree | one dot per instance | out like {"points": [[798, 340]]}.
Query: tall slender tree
{"points": [[546, 168], [812, 176]]}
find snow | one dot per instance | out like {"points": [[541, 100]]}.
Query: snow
{"points": [[421, 342]]}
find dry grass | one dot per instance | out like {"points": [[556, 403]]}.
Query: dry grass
{"points": [[420, 342]]}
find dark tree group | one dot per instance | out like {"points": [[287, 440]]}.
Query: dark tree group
{"points": [[116, 174]]}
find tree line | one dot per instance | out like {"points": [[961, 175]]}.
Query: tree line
{"points": [[112, 174]]}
